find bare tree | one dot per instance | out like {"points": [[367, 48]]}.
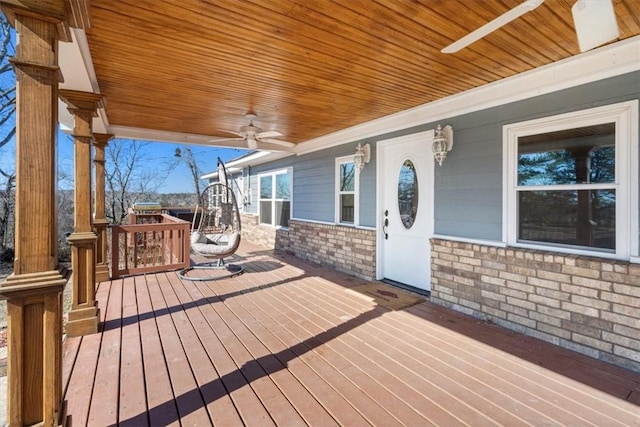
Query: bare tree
{"points": [[7, 199], [129, 180], [187, 155], [7, 132]]}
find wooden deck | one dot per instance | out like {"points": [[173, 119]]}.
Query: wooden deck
{"points": [[287, 343]]}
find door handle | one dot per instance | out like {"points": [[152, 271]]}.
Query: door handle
{"points": [[385, 225]]}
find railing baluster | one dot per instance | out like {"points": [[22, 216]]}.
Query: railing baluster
{"points": [[153, 243]]}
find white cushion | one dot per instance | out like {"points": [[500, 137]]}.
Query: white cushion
{"points": [[216, 244]]}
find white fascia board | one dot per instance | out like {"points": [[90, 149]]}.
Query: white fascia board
{"points": [[76, 66], [258, 158], [253, 159], [230, 171], [608, 61]]}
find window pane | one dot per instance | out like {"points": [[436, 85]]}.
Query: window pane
{"points": [[266, 191], [283, 186], [347, 176], [580, 218], [283, 213], [408, 194], [572, 156], [265, 212], [347, 208]]}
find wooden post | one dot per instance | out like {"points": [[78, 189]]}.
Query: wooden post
{"points": [[83, 317], [100, 141], [34, 290]]}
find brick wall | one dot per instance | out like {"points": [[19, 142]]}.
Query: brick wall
{"points": [[345, 249], [586, 304], [264, 235]]}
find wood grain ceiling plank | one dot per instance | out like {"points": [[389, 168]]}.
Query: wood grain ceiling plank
{"points": [[628, 14], [379, 69], [417, 29], [363, 31], [308, 67], [161, 78], [333, 41], [308, 62], [517, 42], [264, 71]]}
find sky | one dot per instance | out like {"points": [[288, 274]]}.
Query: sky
{"points": [[159, 155]]}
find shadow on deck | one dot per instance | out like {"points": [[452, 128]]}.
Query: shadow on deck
{"points": [[287, 343]]}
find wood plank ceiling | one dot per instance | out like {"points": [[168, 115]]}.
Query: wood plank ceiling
{"points": [[309, 67]]}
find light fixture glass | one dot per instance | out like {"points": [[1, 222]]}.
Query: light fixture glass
{"points": [[442, 143], [362, 156]]}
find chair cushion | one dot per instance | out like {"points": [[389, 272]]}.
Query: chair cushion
{"points": [[197, 237], [216, 245]]}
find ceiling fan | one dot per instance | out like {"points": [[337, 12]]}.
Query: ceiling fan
{"points": [[256, 138], [594, 20]]}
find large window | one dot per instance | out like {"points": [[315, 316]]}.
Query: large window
{"points": [[346, 191], [275, 198], [569, 182]]}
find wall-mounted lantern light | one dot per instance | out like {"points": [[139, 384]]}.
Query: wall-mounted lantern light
{"points": [[442, 143], [362, 156]]}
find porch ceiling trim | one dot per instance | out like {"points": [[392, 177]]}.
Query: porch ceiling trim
{"points": [[608, 61]]}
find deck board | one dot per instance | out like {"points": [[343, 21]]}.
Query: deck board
{"points": [[306, 367], [250, 408], [105, 398], [162, 409], [288, 343], [79, 390], [132, 397], [171, 323]]}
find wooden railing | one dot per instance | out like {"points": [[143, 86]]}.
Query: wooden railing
{"points": [[149, 243]]}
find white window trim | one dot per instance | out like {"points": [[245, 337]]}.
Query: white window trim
{"points": [[273, 174], [356, 193], [625, 117]]}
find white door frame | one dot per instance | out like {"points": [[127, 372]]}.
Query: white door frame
{"points": [[427, 137]]}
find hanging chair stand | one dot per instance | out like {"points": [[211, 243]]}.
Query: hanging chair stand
{"points": [[215, 230]]}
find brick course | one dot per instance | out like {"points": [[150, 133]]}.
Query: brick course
{"points": [[586, 304], [346, 249]]}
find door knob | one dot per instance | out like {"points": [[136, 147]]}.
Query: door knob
{"points": [[384, 227]]}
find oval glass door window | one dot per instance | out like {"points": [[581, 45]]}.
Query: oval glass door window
{"points": [[408, 194]]}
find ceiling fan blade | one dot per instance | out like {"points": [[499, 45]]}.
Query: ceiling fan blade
{"points": [[231, 132], [229, 143], [221, 139], [493, 25], [595, 23], [268, 134], [278, 142], [263, 145]]}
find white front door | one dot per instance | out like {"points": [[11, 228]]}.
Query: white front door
{"points": [[405, 217]]}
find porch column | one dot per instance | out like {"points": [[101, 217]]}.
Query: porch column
{"points": [[100, 141], [34, 290], [83, 317]]}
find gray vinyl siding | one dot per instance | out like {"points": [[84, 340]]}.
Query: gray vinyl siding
{"points": [[313, 186], [468, 186]]}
